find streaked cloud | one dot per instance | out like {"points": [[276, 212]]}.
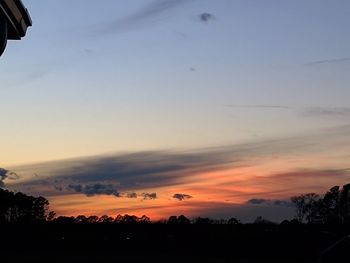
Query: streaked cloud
{"points": [[281, 186], [326, 112], [130, 171], [311, 111], [262, 201], [257, 201], [259, 106], [148, 15], [329, 61]]}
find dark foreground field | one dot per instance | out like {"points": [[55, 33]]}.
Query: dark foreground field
{"points": [[165, 243]]}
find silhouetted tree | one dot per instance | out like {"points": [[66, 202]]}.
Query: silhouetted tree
{"points": [[183, 220], [21, 208], [344, 204], [144, 220], [51, 216], [178, 220], [299, 203], [330, 206], [126, 219], [307, 207], [172, 220], [81, 219], [261, 220], [6, 202], [65, 220], [333, 208], [312, 206], [40, 209], [92, 219], [105, 219], [233, 221], [202, 221], [220, 221], [118, 219]]}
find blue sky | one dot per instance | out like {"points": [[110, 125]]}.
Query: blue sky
{"points": [[105, 77]]}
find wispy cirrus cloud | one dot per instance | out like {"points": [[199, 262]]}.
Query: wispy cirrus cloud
{"points": [[329, 61], [148, 15], [310, 111], [258, 106], [326, 112], [290, 183]]}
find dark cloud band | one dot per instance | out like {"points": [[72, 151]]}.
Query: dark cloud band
{"points": [[95, 189]]}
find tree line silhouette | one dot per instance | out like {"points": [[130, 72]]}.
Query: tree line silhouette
{"points": [[29, 226], [21, 208], [331, 208]]}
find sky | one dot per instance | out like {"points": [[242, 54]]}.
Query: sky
{"points": [[213, 108]]}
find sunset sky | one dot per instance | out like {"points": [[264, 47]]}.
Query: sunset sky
{"points": [[215, 108]]}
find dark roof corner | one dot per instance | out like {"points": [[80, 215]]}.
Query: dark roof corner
{"points": [[14, 21]]}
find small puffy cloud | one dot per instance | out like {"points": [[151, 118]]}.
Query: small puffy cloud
{"points": [[130, 195], [149, 196], [182, 197], [206, 17], [95, 189]]}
